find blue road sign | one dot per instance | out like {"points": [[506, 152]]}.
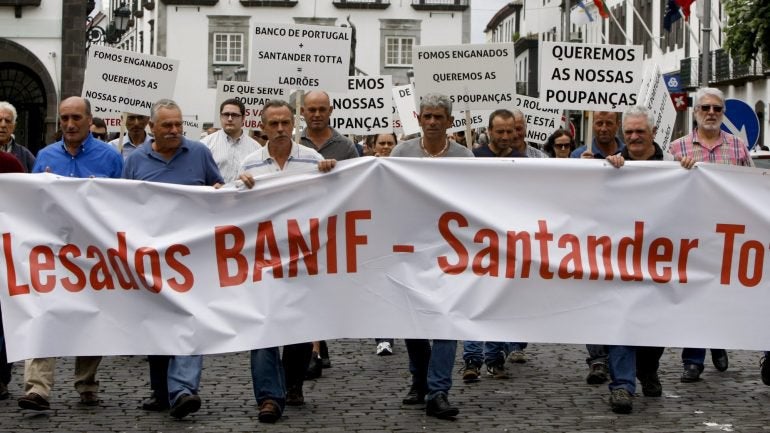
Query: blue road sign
{"points": [[741, 120], [673, 82]]}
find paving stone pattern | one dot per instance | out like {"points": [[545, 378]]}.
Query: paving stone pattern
{"points": [[362, 393]]}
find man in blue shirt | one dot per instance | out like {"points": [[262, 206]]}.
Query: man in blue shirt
{"points": [[78, 154], [605, 142], [172, 158]]}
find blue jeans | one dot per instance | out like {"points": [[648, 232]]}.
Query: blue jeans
{"points": [[621, 361], [267, 376], [431, 368], [693, 356], [184, 376], [493, 352]]}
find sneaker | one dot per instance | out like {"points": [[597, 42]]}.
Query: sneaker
{"points": [[33, 401], [4, 395], [497, 371], [517, 357], [764, 371], [440, 407], [651, 386], [471, 372], [598, 374], [691, 373], [185, 405], [621, 401], [415, 396], [294, 396], [269, 412], [384, 349]]}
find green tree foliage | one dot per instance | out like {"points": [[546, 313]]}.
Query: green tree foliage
{"points": [[748, 29]]}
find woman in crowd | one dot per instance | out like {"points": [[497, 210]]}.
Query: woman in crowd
{"points": [[560, 144]]}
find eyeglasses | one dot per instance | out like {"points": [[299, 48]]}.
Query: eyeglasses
{"points": [[99, 136], [562, 146], [233, 115], [706, 108]]}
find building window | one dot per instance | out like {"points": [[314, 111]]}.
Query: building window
{"points": [[398, 51], [228, 48]]}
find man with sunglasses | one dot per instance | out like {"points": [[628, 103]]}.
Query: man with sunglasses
{"points": [[230, 145], [99, 129], [708, 143], [136, 135]]}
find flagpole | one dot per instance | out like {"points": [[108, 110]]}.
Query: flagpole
{"points": [[689, 29], [647, 29], [706, 53], [609, 11]]}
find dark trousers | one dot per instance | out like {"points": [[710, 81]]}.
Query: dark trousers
{"points": [[159, 375], [296, 359], [5, 367]]}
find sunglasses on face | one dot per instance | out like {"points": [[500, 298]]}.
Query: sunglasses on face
{"points": [[99, 136], [715, 108], [562, 146]]}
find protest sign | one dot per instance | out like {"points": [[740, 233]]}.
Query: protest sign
{"points": [[541, 122], [320, 256], [479, 76], [300, 57], [253, 97], [191, 126], [404, 100], [365, 108], [654, 95], [125, 81], [597, 77]]}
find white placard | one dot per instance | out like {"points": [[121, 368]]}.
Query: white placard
{"points": [[404, 100], [654, 95], [480, 76], [300, 56], [125, 81], [253, 97], [589, 76], [192, 126], [365, 108], [541, 122], [479, 118]]}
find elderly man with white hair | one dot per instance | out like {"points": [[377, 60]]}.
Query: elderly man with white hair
{"points": [[708, 143], [8, 118]]}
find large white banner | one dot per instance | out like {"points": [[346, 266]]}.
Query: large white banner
{"points": [[598, 77], [123, 80], [480, 76], [300, 56], [650, 254]]}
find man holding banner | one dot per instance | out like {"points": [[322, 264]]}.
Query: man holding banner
{"points": [[278, 383], [172, 158], [79, 154], [708, 143], [627, 363], [431, 368]]}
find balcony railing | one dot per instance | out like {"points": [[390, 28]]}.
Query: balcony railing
{"points": [[724, 70], [266, 3], [440, 5], [361, 4]]}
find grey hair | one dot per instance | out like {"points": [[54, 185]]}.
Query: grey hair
{"points": [[8, 106], [162, 103], [640, 111], [709, 91], [276, 103], [436, 100]]}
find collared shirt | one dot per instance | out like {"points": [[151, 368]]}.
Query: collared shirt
{"points": [[301, 159], [337, 147], [729, 150], [598, 153], [94, 159], [192, 164], [530, 152], [128, 146], [229, 152]]}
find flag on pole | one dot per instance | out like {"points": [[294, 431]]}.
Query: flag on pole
{"points": [[672, 15], [685, 5], [582, 6], [602, 8]]}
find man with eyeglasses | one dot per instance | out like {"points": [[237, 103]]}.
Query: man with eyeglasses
{"points": [[230, 145], [99, 129], [136, 135], [708, 143]]}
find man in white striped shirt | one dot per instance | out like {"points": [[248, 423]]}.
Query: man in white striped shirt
{"points": [[230, 145]]}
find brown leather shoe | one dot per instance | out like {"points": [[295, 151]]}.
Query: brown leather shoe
{"points": [[269, 412], [33, 401], [89, 398]]}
